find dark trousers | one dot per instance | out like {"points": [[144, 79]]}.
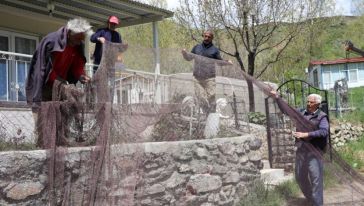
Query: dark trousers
{"points": [[309, 173]]}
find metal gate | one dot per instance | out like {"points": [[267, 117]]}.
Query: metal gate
{"points": [[281, 150]]}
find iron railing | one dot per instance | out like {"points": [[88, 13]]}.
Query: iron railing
{"points": [[13, 71]]}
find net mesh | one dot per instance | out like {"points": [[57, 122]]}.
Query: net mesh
{"points": [[122, 109]]}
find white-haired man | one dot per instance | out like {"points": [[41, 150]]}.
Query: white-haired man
{"points": [[58, 57], [309, 163]]}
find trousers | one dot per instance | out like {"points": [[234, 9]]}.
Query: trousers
{"points": [[309, 173]]}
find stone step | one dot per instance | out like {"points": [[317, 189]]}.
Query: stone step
{"points": [[273, 177], [269, 175], [282, 180], [266, 164]]}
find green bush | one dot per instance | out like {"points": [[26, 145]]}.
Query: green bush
{"points": [[257, 118]]}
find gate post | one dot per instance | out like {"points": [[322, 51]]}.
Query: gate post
{"points": [[269, 137]]}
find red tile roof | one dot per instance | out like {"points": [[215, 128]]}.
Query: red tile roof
{"points": [[337, 61]]}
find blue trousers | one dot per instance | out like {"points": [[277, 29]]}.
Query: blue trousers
{"points": [[309, 174]]}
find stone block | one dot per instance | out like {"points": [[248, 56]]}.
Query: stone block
{"points": [[203, 183], [20, 191]]}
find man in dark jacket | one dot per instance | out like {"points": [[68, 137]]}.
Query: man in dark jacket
{"points": [[102, 35], [310, 146], [58, 57], [204, 71]]}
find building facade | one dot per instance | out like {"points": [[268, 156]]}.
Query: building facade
{"points": [[324, 74], [24, 23]]}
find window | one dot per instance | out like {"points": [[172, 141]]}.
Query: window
{"points": [[326, 78], [4, 46], [124, 97], [315, 78], [361, 73], [353, 75], [335, 73], [14, 67], [345, 74]]}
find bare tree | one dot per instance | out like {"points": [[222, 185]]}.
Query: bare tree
{"points": [[249, 30]]}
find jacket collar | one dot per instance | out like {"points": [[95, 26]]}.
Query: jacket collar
{"points": [[314, 113], [207, 45]]}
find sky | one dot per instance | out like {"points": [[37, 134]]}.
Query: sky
{"points": [[172, 4], [343, 7]]}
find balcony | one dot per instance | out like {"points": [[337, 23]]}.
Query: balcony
{"points": [[14, 68], [13, 72]]}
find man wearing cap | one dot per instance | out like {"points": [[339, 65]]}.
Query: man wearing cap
{"points": [[105, 34]]}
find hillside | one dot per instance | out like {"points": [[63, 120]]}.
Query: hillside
{"points": [[321, 39]]}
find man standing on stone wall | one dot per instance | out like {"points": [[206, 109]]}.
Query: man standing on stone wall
{"points": [[204, 71]]}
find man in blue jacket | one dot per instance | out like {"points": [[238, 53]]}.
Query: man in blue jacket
{"points": [[105, 34], [204, 70]]}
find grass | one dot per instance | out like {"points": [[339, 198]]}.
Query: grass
{"points": [[357, 115], [260, 195], [353, 153], [356, 101], [288, 189], [10, 146], [356, 97], [330, 179]]}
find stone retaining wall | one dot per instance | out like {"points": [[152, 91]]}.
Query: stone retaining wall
{"points": [[197, 172], [344, 132]]}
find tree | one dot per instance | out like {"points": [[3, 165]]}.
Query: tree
{"points": [[251, 28], [140, 54]]}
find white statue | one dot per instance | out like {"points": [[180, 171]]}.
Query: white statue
{"points": [[221, 104]]}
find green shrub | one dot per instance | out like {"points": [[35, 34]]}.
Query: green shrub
{"points": [[257, 118]]}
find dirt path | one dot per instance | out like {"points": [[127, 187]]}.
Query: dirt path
{"points": [[342, 194]]}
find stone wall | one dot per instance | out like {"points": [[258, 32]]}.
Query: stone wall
{"points": [[344, 132], [197, 172]]}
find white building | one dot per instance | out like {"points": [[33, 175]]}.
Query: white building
{"points": [[323, 74]]}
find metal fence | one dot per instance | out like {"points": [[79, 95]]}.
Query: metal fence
{"points": [[131, 87]]}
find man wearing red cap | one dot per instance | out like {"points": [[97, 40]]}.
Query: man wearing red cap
{"points": [[105, 34]]}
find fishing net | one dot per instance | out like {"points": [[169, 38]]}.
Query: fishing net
{"points": [[121, 109]]}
